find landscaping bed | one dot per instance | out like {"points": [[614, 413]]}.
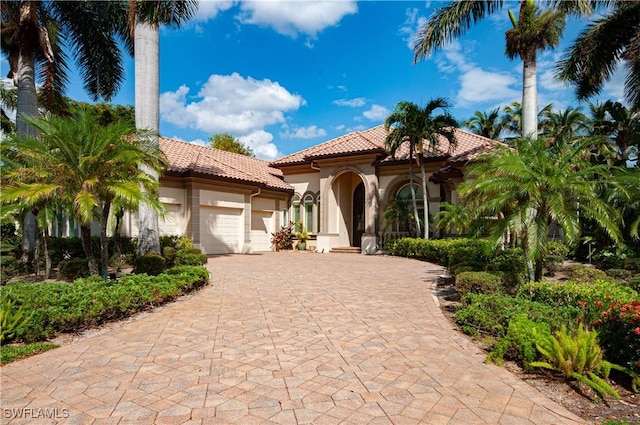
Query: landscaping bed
{"points": [[574, 396]]}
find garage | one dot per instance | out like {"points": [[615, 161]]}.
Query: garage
{"points": [[261, 228], [220, 230]]}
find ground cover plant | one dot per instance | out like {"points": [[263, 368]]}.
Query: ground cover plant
{"points": [[52, 308]]}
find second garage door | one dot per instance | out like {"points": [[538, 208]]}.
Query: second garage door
{"points": [[261, 228]]}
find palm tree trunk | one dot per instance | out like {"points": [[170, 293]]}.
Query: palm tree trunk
{"points": [[425, 197], [27, 106], [104, 242], [413, 190], [147, 99], [529, 96], [85, 231]]}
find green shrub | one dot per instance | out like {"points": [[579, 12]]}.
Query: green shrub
{"points": [[512, 267], [151, 264], [73, 269], [609, 259], [589, 296], [169, 254], [585, 273], [184, 242], [58, 307], [446, 252], [168, 241], [558, 248], [620, 274], [190, 257], [10, 267], [492, 313], [478, 283], [632, 264], [519, 342]]}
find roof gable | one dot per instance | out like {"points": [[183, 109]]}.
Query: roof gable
{"points": [[468, 146], [184, 157]]}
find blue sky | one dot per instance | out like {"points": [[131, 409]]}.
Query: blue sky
{"points": [[284, 75]]}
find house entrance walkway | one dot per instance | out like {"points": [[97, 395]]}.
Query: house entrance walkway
{"points": [[281, 338]]}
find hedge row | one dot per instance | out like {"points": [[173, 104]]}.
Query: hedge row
{"points": [[59, 307]]}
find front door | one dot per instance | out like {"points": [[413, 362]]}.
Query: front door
{"points": [[358, 215]]}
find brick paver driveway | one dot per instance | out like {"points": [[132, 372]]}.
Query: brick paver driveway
{"points": [[284, 338]]}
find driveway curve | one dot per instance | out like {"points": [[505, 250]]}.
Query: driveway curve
{"points": [[281, 338]]}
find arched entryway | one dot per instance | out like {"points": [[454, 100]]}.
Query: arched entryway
{"points": [[358, 219]]}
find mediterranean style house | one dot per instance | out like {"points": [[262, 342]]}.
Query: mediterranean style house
{"points": [[338, 190]]}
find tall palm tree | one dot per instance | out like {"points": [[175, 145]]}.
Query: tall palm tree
{"points": [[80, 164], [144, 18], [489, 125], [405, 119], [532, 186], [596, 53], [415, 125], [513, 117], [535, 30], [37, 38]]}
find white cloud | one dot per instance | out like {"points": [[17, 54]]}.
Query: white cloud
{"points": [[310, 132], [292, 18], [411, 26], [376, 113], [614, 88], [232, 104], [351, 103], [209, 9], [477, 85], [260, 142]]}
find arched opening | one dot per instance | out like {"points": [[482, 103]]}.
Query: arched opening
{"points": [[358, 215]]}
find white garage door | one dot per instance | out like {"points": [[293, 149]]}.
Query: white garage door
{"points": [[220, 230], [170, 225], [261, 228]]}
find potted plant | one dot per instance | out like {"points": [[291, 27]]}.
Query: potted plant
{"points": [[302, 236]]}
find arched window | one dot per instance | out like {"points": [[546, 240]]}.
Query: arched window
{"points": [[400, 209], [295, 209], [308, 213]]}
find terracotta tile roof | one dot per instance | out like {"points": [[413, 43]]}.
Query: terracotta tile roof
{"points": [[358, 142], [468, 147], [188, 157]]}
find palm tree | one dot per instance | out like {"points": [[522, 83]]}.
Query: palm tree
{"points": [[489, 125], [596, 53], [513, 117], [144, 18], [563, 126], [79, 164], [453, 216], [405, 117], [435, 127], [415, 125], [37, 38], [532, 186], [535, 30]]}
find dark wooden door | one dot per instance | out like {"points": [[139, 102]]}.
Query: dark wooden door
{"points": [[358, 215]]}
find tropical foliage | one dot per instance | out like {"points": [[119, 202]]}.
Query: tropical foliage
{"points": [[415, 126], [598, 51], [80, 167], [227, 142], [522, 191]]}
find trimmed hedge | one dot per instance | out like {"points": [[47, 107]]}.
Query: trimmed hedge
{"points": [[58, 307], [478, 283], [590, 296]]}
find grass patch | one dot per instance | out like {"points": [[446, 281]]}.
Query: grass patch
{"points": [[11, 353]]}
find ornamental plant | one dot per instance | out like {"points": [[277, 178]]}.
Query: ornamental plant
{"points": [[283, 238], [578, 356], [619, 333]]}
